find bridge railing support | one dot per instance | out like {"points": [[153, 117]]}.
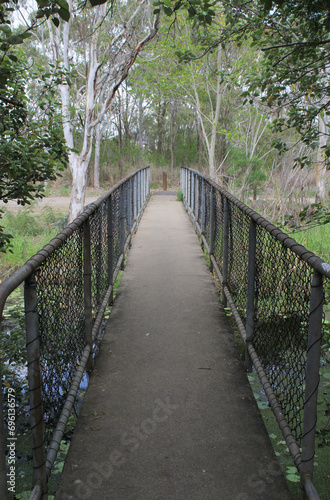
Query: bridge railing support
{"points": [[35, 385], [68, 286], [274, 287]]}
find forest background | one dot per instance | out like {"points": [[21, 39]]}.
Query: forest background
{"points": [[237, 90], [91, 91]]}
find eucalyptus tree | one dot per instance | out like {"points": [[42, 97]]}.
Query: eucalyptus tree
{"points": [[116, 34], [32, 151], [293, 71]]}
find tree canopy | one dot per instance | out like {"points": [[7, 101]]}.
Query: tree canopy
{"points": [[294, 60]]}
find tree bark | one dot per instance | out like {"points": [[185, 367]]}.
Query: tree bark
{"points": [[102, 82], [97, 147], [321, 162]]}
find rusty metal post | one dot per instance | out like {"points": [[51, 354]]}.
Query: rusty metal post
{"points": [[110, 244], [35, 385], [225, 249], [250, 292], [212, 226], [312, 380], [88, 290]]}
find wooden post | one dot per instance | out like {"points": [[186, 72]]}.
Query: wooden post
{"points": [[164, 181]]}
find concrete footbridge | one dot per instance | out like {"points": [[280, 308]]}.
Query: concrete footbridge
{"points": [[169, 412]]}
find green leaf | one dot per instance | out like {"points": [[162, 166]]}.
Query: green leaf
{"points": [[97, 2], [43, 3], [5, 28], [64, 14], [56, 21], [63, 4], [294, 478], [15, 39]]}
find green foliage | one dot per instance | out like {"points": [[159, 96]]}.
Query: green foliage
{"points": [[179, 195], [32, 149], [292, 40], [310, 216], [30, 233], [247, 170]]}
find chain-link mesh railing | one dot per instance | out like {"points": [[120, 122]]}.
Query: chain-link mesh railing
{"points": [[274, 288], [68, 285]]}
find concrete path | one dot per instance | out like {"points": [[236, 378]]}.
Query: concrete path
{"points": [[169, 413]]}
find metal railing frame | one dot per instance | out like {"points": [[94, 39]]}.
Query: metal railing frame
{"points": [[303, 458], [138, 185]]}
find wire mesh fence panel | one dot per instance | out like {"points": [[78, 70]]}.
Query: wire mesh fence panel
{"points": [[282, 296], [207, 212], [116, 226], [66, 284], [59, 282], [218, 232], [99, 255], [238, 246], [277, 288], [200, 194]]}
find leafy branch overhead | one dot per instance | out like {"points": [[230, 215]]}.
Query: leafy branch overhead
{"points": [[293, 74]]}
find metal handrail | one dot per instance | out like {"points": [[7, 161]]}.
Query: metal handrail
{"points": [[130, 196], [194, 186]]}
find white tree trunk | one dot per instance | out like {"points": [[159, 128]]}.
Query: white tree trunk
{"points": [[97, 147], [102, 82], [321, 166], [79, 168]]}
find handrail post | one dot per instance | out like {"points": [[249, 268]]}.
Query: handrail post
{"points": [[193, 186], [225, 250], [129, 206], [122, 222], [134, 198], [202, 204], [148, 181], [189, 189], [212, 226], [35, 385], [250, 292], [312, 380], [138, 188], [110, 244], [88, 290]]}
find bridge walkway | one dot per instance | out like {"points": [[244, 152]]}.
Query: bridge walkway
{"points": [[169, 413]]}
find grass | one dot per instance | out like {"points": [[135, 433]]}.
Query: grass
{"points": [[316, 239], [30, 231]]}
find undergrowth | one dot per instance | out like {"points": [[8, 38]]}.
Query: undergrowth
{"points": [[30, 231]]}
